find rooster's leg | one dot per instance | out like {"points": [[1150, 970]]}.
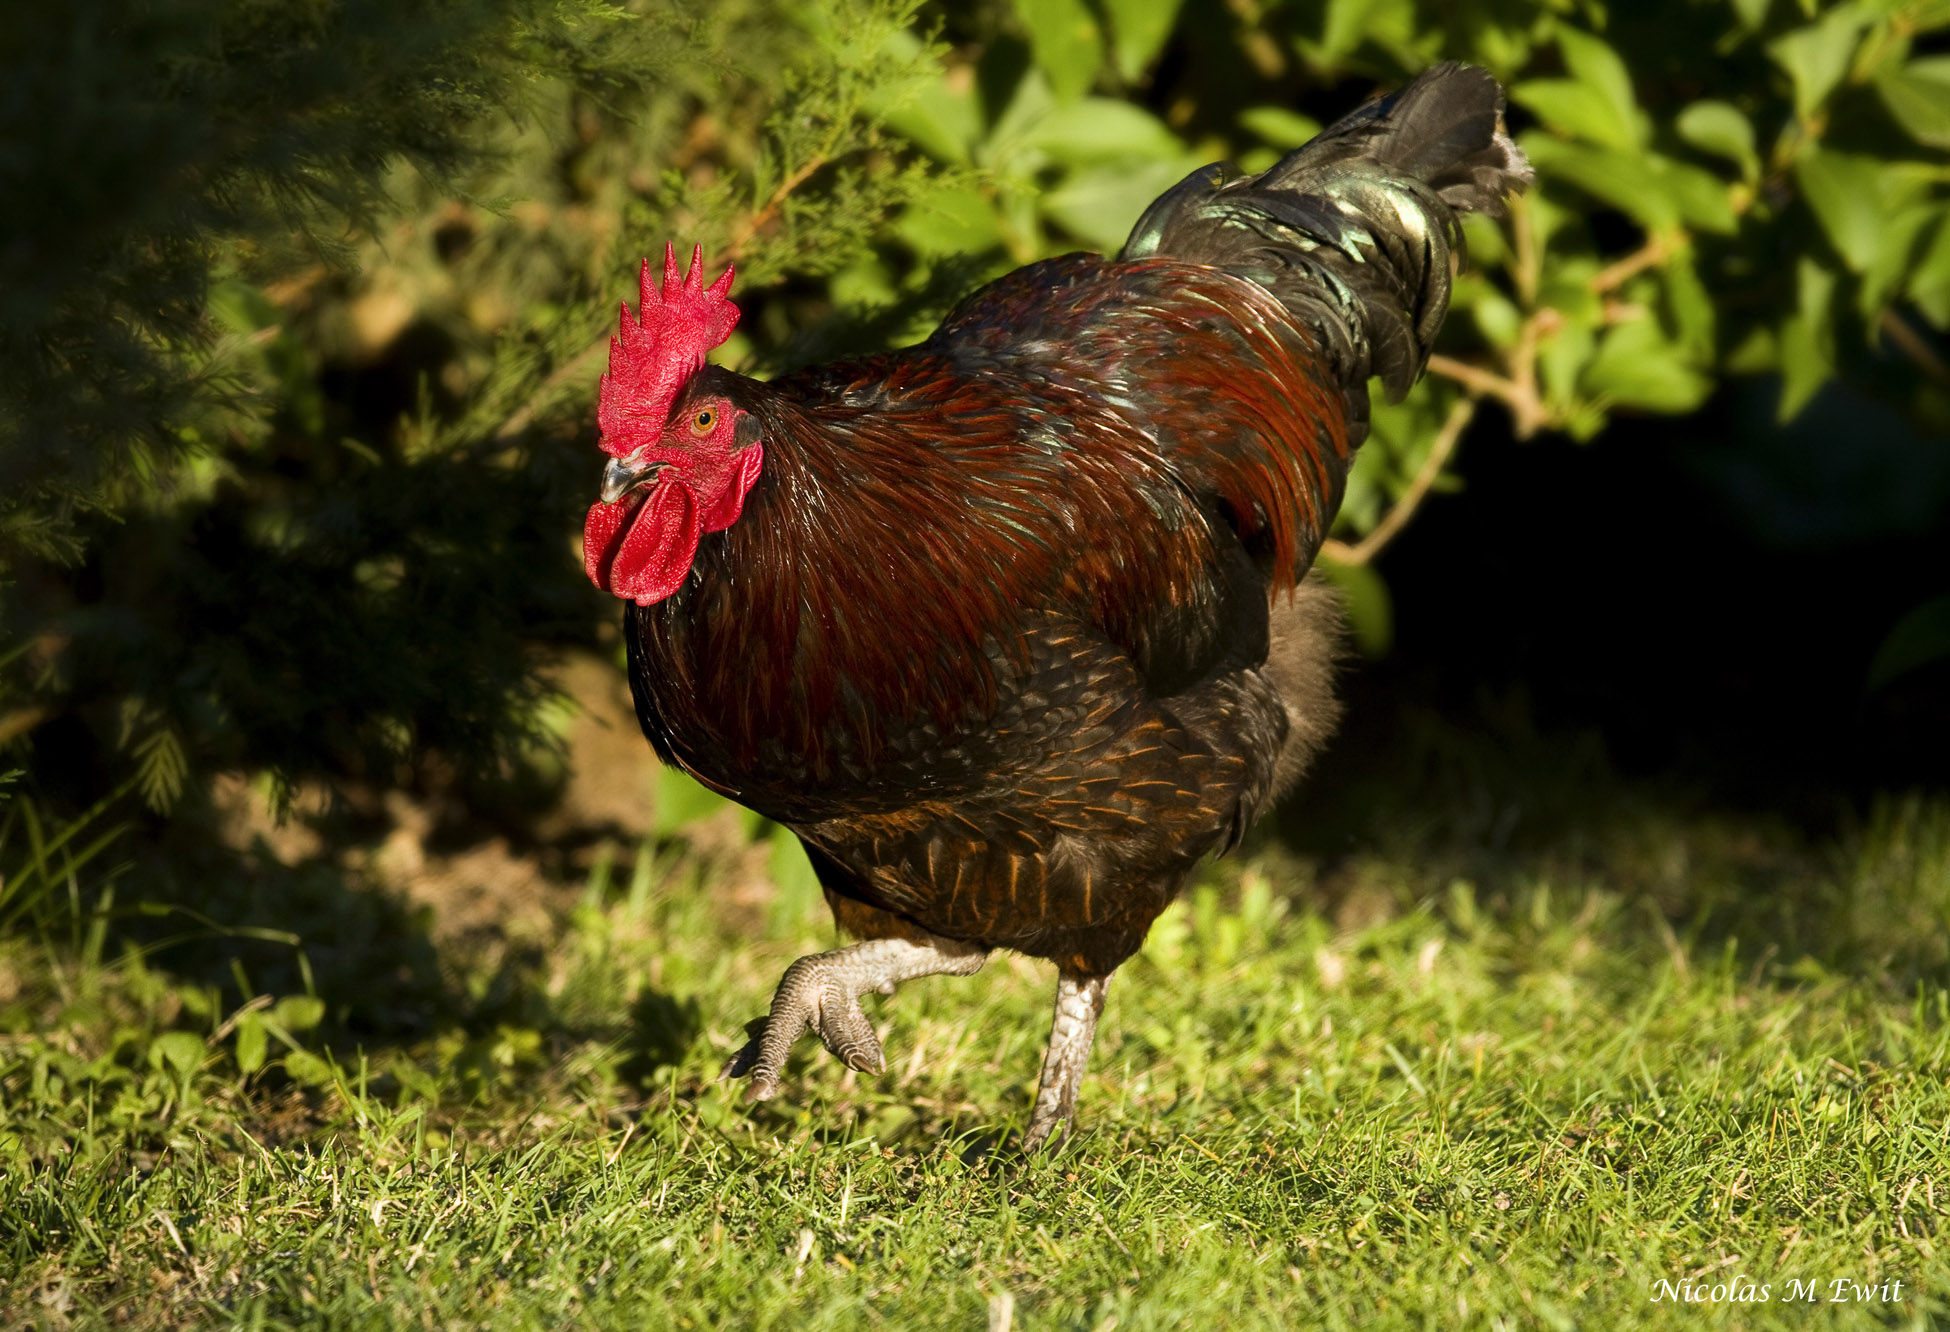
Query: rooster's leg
{"points": [[823, 992], [1079, 1003]]}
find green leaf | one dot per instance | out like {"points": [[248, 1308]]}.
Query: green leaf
{"points": [[181, 1051], [1488, 246], [1884, 279], [1701, 197], [1099, 205], [1566, 288], [1362, 501], [1400, 437], [1807, 340], [1138, 30], [1278, 126], [951, 222], [1637, 366], [1929, 284], [1009, 138], [1102, 129], [307, 1068], [1854, 198], [1927, 15], [1752, 13], [251, 1043], [1817, 57], [1342, 26], [1627, 181], [1692, 309], [1496, 315], [1346, 24], [1755, 354], [1918, 96], [1919, 639], [298, 1012], [1576, 109], [1595, 65], [1364, 596], [940, 111], [1561, 358], [1722, 129], [163, 768], [1064, 39], [1653, 189], [939, 122], [869, 284]]}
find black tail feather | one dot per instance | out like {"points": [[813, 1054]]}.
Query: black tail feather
{"points": [[1445, 129], [1357, 232]]}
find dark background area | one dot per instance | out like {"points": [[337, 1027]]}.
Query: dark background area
{"points": [[1707, 595]]}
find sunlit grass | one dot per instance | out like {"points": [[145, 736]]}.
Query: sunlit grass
{"points": [[1522, 1098]]}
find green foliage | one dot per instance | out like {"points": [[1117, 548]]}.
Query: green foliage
{"points": [[144, 139], [42, 867]]}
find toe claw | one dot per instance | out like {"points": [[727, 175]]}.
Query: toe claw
{"points": [[842, 1024], [822, 992], [863, 1061]]}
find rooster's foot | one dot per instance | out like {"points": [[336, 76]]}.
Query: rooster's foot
{"points": [[823, 992], [1079, 1003]]}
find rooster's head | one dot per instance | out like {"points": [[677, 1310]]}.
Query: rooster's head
{"points": [[682, 456]]}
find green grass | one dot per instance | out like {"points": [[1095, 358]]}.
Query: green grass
{"points": [[1450, 1084]]}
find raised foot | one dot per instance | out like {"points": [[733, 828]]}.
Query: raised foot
{"points": [[822, 993], [813, 994]]}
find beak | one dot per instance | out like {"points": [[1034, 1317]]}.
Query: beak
{"points": [[621, 477]]}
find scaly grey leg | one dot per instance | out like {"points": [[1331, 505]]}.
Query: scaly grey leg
{"points": [[1079, 1003], [823, 992]]}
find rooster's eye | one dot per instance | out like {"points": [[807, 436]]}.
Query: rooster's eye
{"points": [[701, 423]]}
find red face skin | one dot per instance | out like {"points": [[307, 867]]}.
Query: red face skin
{"points": [[690, 480]]}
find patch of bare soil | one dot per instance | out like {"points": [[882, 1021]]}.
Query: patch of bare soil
{"points": [[479, 882]]}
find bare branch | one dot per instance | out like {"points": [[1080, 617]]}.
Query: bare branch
{"points": [[1913, 345], [1404, 508], [1656, 250], [20, 721], [1527, 272], [772, 206], [1528, 413]]}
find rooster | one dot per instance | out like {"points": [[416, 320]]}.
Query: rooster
{"points": [[1010, 627]]}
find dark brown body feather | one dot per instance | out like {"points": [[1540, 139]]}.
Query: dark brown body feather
{"points": [[989, 635], [1012, 630]]}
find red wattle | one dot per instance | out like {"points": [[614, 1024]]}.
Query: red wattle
{"points": [[656, 554], [599, 531]]}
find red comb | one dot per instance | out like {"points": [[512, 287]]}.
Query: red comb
{"points": [[653, 354]]}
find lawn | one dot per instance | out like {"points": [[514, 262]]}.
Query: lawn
{"points": [[1448, 1077]]}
